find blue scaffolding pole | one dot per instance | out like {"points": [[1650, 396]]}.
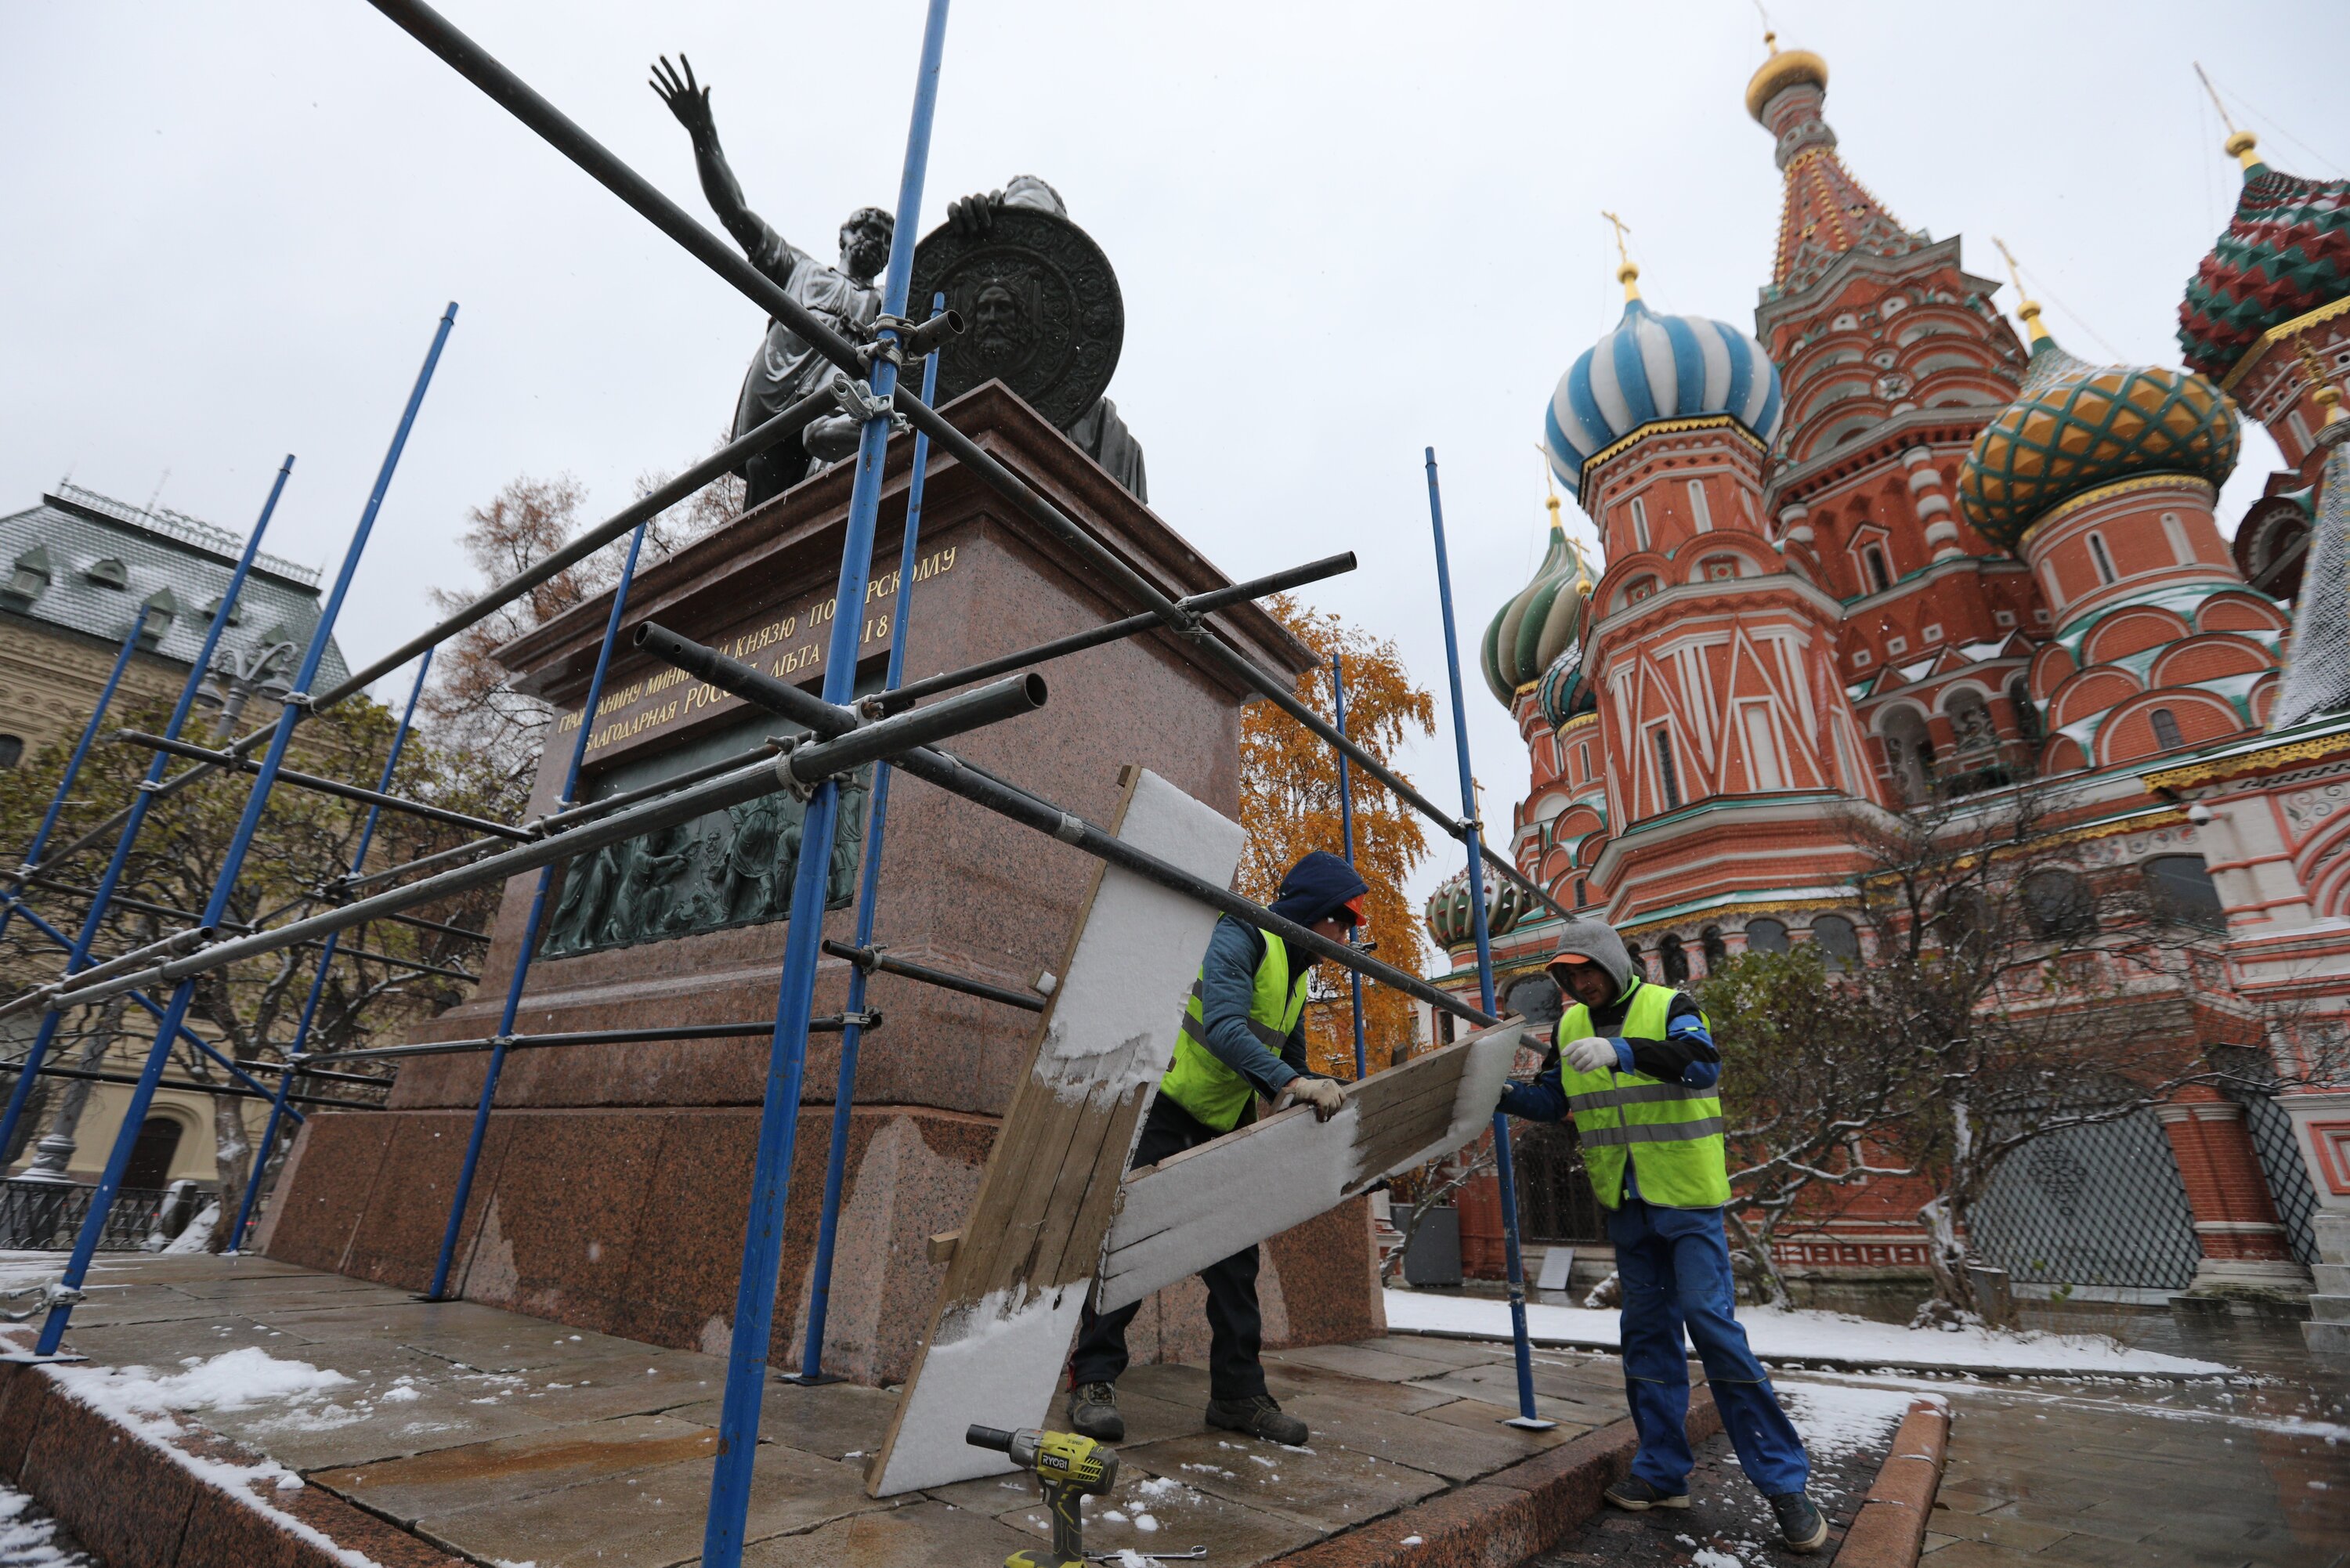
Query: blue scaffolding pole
{"points": [[457, 1199], [63, 1295], [763, 1242], [1503, 1172], [188, 1036], [852, 1029], [32, 861], [294, 1052], [1346, 838], [77, 949]]}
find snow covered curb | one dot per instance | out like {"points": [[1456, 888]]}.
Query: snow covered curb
{"points": [[1889, 1531], [105, 1450], [1814, 1339]]}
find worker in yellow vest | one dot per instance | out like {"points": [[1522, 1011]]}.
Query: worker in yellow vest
{"points": [[1242, 1039], [1635, 1065]]}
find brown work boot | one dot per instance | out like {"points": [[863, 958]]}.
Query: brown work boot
{"points": [[1093, 1413], [1259, 1416]]}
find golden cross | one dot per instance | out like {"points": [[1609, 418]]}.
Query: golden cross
{"points": [[1622, 228]]}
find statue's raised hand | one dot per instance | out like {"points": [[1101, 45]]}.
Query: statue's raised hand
{"points": [[973, 216], [687, 100]]}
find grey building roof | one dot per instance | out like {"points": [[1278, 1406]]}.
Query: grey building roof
{"points": [[60, 561]]}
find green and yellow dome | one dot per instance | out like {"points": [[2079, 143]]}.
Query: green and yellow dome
{"points": [[1541, 621], [2076, 427]]}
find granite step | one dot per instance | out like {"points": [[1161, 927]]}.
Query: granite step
{"points": [[2330, 1279], [2326, 1338], [2333, 1230], [2329, 1309]]}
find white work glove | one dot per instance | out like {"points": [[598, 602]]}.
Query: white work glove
{"points": [[1322, 1094], [1592, 1053]]}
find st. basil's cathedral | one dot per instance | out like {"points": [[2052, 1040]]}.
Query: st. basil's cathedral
{"points": [[1885, 551]]}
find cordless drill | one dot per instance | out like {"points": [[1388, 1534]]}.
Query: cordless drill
{"points": [[1070, 1469]]}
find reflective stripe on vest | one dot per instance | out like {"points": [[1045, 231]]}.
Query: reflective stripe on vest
{"points": [[1671, 1133], [1215, 1095]]}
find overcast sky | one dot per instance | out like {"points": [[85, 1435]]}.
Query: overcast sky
{"points": [[1344, 232]]}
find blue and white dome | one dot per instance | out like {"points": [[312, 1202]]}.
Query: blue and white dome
{"points": [[1654, 368]]}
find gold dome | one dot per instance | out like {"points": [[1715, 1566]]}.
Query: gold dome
{"points": [[1784, 68]]}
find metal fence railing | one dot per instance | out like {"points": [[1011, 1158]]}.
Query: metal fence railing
{"points": [[42, 1216], [2099, 1205], [2278, 1150]]}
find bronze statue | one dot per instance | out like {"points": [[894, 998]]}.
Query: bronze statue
{"points": [[842, 297], [1008, 322]]}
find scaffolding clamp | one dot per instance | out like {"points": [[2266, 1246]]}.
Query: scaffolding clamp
{"points": [[858, 402], [51, 1296], [869, 1018]]}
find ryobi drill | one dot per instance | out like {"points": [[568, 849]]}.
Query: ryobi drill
{"points": [[1070, 1469]]}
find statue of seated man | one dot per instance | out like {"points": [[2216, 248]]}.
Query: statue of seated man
{"points": [[847, 298]]}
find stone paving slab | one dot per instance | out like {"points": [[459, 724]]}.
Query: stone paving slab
{"points": [[1180, 1517], [833, 1421], [1324, 1486], [651, 1518], [449, 1480], [923, 1535], [502, 1437]]}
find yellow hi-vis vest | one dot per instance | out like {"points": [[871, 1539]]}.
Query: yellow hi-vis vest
{"points": [[1212, 1092], [1672, 1132]]}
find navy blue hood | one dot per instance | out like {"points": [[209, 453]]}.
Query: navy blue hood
{"points": [[1315, 887]]}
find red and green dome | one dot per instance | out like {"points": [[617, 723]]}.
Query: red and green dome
{"points": [[1452, 922], [1541, 620], [2285, 252], [2077, 427]]}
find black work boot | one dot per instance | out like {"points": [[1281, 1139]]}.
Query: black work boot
{"points": [[1800, 1523], [1638, 1496], [1093, 1413], [1259, 1416]]}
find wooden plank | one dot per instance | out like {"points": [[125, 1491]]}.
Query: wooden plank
{"points": [[1177, 1217], [1005, 1312]]}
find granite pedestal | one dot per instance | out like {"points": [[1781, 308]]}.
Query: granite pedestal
{"points": [[612, 1187]]}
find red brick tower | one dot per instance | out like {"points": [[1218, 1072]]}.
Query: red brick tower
{"points": [[1726, 743], [1893, 358]]}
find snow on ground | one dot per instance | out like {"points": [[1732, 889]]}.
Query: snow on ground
{"points": [[1837, 1419], [1837, 1339], [148, 1405], [28, 1538]]}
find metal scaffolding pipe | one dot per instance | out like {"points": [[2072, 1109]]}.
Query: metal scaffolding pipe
{"points": [[906, 696], [812, 763], [89, 1076], [980, 787], [229, 760], [171, 946], [132, 817], [650, 506], [574, 1037], [872, 959], [40, 839], [143, 1095]]}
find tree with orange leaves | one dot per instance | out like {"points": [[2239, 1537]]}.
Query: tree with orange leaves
{"points": [[1290, 806]]}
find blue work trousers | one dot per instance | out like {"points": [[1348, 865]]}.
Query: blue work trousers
{"points": [[1674, 1266]]}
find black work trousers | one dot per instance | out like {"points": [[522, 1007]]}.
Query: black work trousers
{"points": [[1234, 1329]]}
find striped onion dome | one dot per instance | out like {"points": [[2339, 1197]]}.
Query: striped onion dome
{"points": [[1454, 924], [1564, 692], [1541, 621], [1654, 368], [2076, 427]]}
